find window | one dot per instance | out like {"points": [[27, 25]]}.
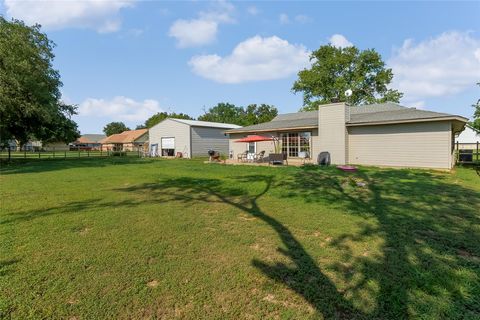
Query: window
{"points": [[168, 147], [251, 147], [296, 144]]}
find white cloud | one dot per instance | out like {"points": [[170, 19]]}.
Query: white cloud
{"points": [[284, 19], [102, 16], [444, 65], [220, 12], [253, 10], [191, 33], [119, 108], [254, 59], [339, 41], [202, 30], [301, 18]]}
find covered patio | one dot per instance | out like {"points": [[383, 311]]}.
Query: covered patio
{"points": [[271, 149]]}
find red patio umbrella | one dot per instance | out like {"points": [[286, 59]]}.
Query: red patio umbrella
{"points": [[255, 138]]}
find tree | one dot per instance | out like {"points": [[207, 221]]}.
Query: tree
{"points": [[229, 113], [224, 113], [114, 128], [259, 114], [30, 104], [336, 70], [476, 114], [159, 117]]}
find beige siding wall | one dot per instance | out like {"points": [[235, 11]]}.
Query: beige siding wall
{"points": [[171, 129], [424, 145], [332, 132]]}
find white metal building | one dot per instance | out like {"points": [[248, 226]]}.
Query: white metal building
{"points": [[191, 138], [468, 138]]}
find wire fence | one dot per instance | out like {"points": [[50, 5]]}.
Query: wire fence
{"points": [[56, 154], [468, 153]]}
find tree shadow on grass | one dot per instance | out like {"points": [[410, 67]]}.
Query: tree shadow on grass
{"points": [[75, 207], [431, 253], [306, 277], [6, 266]]}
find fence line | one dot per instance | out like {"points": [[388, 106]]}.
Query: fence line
{"points": [[466, 155], [64, 154]]}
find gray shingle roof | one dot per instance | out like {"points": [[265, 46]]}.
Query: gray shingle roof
{"points": [[93, 137], [395, 115], [285, 121], [372, 113]]}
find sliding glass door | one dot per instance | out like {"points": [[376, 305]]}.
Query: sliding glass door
{"points": [[296, 144]]}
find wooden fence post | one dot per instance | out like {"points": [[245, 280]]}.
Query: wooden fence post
{"points": [[477, 151], [38, 154], [79, 152], [458, 154], [9, 153], [65, 154], [25, 154], [88, 153], [54, 152]]}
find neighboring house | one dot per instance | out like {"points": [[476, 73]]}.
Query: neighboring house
{"points": [[36, 145], [132, 140], [379, 134], [190, 137], [468, 138], [89, 142], [32, 145]]}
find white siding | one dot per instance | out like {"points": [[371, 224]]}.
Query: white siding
{"points": [[172, 129], [423, 145], [332, 132], [204, 139]]}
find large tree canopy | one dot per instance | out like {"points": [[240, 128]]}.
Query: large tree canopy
{"points": [[229, 113], [476, 114], [160, 116], [30, 105], [255, 114], [336, 70], [114, 128]]}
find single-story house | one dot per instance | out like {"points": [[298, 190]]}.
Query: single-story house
{"points": [[384, 134], [131, 140], [468, 139], [191, 138], [31, 145], [37, 145], [89, 142]]}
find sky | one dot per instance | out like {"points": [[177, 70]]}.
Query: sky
{"points": [[126, 60]]}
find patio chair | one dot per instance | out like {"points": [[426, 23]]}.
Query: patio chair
{"points": [[259, 156], [242, 156]]}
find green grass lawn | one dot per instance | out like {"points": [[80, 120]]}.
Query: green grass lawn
{"points": [[120, 238]]}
